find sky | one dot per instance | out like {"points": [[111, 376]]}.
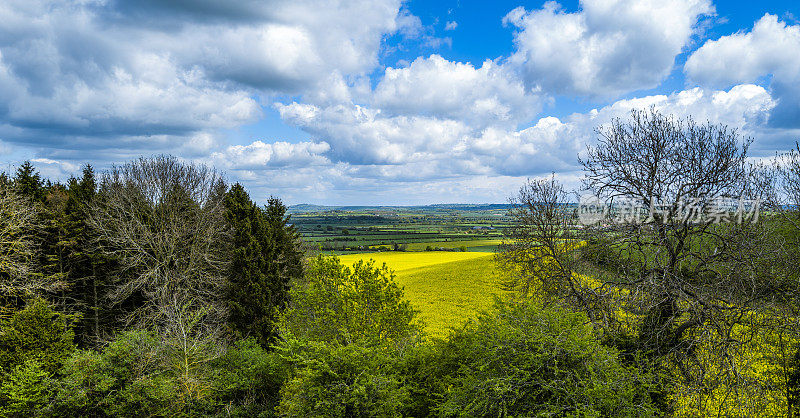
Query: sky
{"points": [[382, 102]]}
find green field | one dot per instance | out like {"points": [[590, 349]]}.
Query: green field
{"points": [[482, 245], [347, 230], [447, 287]]}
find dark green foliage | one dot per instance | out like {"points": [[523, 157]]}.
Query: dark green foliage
{"points": [[265, 260], [29, 183], [36, 333], [136, 375], [88, 270], [525, 360]]}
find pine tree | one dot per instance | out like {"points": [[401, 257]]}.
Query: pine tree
{"points": [[85, 264], [28, 183], [265, 260]]}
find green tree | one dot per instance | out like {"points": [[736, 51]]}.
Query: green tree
{"points": [[522, 359], [28, 182], [343, 335], [36, 333], [128, 378], [362, 305], [332, 380], [26, 390], [265, 259]]}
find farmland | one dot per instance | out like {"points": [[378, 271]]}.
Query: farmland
{"points": [[441, 254], [446, 287], [409, 228]]}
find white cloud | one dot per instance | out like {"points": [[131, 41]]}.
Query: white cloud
{"points": [[261, 155], [123, 71], [391, 146], [451, 25], [437, 87], [769, 49], [608, 48], [361, 135]]}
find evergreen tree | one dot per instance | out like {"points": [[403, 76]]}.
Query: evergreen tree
{"points": [[86, 266], [28, 182], [264, 261]]}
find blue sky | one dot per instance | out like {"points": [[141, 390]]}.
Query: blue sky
{"points": [[382, 102]]}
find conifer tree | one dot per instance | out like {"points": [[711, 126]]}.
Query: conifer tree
{"points": [[28, 183], [264, 261]]}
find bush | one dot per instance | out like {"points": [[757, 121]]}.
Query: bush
{"points": [[125, 379], [362, 306], [36, 333], [248, 379], [26, 390], [524, 360], [333, 380], [343, 335]]}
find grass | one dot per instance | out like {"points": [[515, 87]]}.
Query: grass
{"points": [[448, 288]]}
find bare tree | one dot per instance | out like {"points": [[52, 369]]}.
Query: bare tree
{"points": [[538, 251], [164, 222], [673, 281]]}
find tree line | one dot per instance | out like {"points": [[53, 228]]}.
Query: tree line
{"points": [[155, 288]]}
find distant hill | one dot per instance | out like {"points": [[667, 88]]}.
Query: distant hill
{"points": [[305, 208]]}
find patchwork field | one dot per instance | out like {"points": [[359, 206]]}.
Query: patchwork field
{"points": [[481, 245], [447, 287]]}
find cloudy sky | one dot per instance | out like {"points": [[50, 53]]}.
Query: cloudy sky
{"points": [[381, 101]]}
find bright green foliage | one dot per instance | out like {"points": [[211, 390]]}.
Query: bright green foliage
{"points": [[36, 333], [332, 380], [26, 390], [362, 306], [134, 376], [343, 335], [265, 260], [247, 379], [521, 359], [126, 379]]}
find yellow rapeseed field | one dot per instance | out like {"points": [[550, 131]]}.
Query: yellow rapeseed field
{"points": [[447, 288]]}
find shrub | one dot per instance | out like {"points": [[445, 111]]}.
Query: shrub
{"points": [[26, 390], [248, 379], [525, 360], [36, 333], [362, 306], [333, 380], [125, 379]]}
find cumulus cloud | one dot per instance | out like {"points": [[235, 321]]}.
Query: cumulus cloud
{"points": [[768, 50], [362, 135], [161, 76], [374, 144], [259, 155], [607, 48], [437, 87]]}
